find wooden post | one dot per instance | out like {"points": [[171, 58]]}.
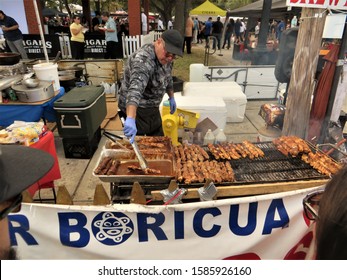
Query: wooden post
{"points": [[137, 194], [100, 196], [301, 84], [27, 197], [134, 16], [63, 196]]}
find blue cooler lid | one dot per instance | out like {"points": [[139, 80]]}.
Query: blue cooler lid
{"points": [[79, 97]]}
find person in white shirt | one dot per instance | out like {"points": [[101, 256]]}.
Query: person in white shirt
{"points": [[243, 29], [169, 25], [160, 24], [195, 30], [143, 22]]}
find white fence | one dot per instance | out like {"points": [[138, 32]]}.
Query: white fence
{"points": [[132, 43]]}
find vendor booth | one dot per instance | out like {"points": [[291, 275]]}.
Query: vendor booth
{"points": [[206, 10]]}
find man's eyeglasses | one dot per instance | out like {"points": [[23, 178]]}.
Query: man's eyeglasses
{"points": [[168, 54], [311, 204], [14, 207]]}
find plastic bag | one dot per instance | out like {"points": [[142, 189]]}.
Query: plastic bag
{"points": [[26, 133]]}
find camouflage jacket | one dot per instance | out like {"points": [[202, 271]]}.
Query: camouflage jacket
{"points": [[145, 80]]}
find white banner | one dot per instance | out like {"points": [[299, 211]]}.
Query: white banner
{"points": [[319, 4], [258, 227]]}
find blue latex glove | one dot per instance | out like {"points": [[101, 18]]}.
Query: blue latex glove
{"points": [[130, 129], [172, 105]]}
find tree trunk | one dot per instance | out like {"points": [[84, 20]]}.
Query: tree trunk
{"points": [[86, 13], [305, 62], [180, 17]]}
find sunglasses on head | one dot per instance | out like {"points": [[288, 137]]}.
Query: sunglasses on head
{"points": [[311, 204], [14, 207]]}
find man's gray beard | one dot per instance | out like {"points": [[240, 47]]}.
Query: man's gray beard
{"points": [[10, 254]]}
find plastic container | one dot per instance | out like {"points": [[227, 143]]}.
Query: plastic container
{"points": [[196, 72], [231, 93], [209, 137], [48, 72], [187, 137], [220, 137], [198, 138], [294, 22]]}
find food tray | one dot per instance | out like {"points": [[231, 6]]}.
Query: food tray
{"points": [[145, 142], [123, 175], [152, 147]]}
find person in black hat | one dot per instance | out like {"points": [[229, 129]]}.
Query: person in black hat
{"points": [[20, 167], [147, 76]]}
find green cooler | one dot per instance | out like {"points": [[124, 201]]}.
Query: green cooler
{"points": [[80, 112], [79, 115]]}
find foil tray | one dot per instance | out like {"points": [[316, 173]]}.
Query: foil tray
{"points": [[124, 176]]}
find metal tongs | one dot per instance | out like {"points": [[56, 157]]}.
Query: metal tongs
{"points": [[140, 157], [113, 137]]}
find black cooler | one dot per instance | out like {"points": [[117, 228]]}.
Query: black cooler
{"points": [[79, 115]]}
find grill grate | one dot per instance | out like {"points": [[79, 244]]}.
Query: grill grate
{"points": [[273, 167]]}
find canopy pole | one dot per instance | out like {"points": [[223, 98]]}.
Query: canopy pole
{"points": [[41, 31]]}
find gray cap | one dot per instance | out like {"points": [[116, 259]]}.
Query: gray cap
{"points": [[20, 167], [173, 41]]}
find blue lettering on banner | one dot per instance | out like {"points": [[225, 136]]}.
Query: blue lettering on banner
{"points": [[198, 222], [270, 223], [71, 223], [19, 224], [179, 224], [112, 228], [252, 219], [144, 224]]}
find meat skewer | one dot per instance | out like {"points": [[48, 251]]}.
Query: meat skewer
{"points": [[146, 171]]}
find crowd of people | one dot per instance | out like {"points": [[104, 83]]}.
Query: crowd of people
{"points": [[196, 31]]}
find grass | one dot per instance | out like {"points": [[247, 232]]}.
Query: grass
{"points": [[181, 64]]}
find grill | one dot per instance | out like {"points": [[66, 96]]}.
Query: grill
{"points": [[274, 167]]}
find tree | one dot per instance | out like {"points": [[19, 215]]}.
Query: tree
{"points": [[164, 7]]}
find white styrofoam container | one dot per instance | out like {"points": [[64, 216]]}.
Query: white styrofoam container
{"points": [[235, 100], [208, 107], [231, 85]]}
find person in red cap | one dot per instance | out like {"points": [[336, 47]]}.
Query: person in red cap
{"points": [[147, 77], [20, 167]]}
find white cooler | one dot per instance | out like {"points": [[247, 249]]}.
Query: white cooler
{"points": [[231, 93], [208, 107]]}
